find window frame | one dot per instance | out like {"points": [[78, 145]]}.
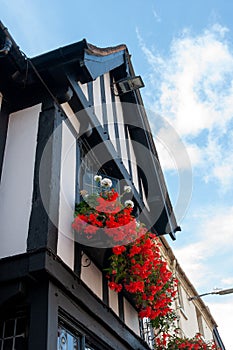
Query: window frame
{"points": [[14, 316]]}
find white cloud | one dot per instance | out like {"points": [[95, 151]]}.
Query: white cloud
{"points": [[208, 263], [193, 88], [213, 241], [223, 313], [228, 281]]}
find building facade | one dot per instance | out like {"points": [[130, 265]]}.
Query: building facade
{"points": [[65, 116], [193, 316]]}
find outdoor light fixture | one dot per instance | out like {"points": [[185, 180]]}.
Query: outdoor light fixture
{"points": [[128, 84], [6, 47], [219, 292]]}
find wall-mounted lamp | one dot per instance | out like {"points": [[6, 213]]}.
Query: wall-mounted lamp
{"points": [[128, 84], [6, 47], [219, 292]]}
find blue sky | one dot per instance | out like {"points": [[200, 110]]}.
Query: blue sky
{"points": [[184, 52]]}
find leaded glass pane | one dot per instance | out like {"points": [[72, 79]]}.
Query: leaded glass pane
{"points": [[9, 328], [8, 344], [20, 343], [21, 325], [13, 334], [66, 340]]}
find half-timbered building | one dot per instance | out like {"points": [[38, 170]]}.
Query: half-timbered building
{"points": [[65, 116]]}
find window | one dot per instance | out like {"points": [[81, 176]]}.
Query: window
{"points": [[199, 322], [180, 297], [70, 339], [147, 332], [89, 167], [13, 333], [67, 340], [181, 304]]}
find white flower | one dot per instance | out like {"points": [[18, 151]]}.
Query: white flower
{"points": [[84, 193], [127, 189], [97, 178], [129, 203], [106, 182]]}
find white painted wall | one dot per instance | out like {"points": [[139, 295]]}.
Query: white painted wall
{"points": [[108, 95], [71, 116], [65, 247], [144, 196], [133, 162], [97, 100], [188, 319], [131, 317], [84, 89], [121, 128], [113, 300], [92, 277], [16, 187], [207, 331]]}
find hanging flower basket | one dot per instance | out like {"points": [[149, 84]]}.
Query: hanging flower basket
{"points": [[140, 270], [136, 265], [102, 220], [174, 342]]}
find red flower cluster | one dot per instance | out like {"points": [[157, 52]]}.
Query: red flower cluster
{"points": [[166, 341], [137, 267], [103, 215], [140, 270]]}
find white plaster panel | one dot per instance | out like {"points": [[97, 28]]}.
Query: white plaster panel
{"points": [[108, 95], [16, 186], [188, 321], [71, 116], [144, 196], [121, 130], [113, 301], [207, 331], [131, 317], [84, 89], [97, 100], [133, 162], [92, 277], [65, 248]]}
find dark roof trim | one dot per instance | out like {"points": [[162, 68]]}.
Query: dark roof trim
{"points": [[97, 51], [218, 339], [10, 48], [99, 65], [63, 55], [93, 61]]}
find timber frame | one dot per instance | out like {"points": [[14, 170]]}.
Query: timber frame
{"points": [[38, 282]]}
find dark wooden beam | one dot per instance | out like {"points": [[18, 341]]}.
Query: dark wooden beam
{"points": [[38, 320], [43, 227]]}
